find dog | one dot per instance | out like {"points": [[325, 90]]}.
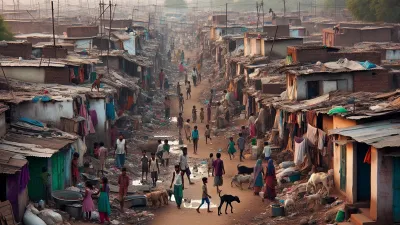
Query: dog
{"points": [[244, 169], [289, 202], [157, 198], [96, 83], [228, 199], [316, 198], [240, 179], [317, 178]]}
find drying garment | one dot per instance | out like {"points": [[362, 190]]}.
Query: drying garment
{"points": [[312, 135], [130, 102], [90, 125], [110, 111], [93, 116], [300, 146], [367, 158], [321, 139], [83, 113]]}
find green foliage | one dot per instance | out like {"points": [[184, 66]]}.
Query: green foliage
{"points": [[175, 4], [5, 34], [375, 10]]}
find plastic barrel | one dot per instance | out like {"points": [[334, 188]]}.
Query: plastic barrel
{"points": [[340, 216]]}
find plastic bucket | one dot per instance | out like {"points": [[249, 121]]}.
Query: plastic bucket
{"points": [[254, 141], [277, 210], [340, 216]]}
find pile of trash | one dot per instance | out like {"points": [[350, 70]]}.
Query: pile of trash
{"points": [[33, 216]]}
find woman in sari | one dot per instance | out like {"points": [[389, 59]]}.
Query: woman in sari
{"points": [[270, 181], [104, 201], [258, 177]]}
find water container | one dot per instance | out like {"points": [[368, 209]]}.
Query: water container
{"points": [[254, 141], [277, 210]]}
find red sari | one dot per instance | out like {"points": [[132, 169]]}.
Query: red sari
{"points": [[270, 184]]}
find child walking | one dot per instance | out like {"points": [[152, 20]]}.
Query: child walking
{"points": [[201, 115], [210, 162], [241, 142], [87, 204], [104, 201], [188, 90], [231, 148], [145, 165], [178, 186], [207, 133], [194, 114], [154, 168], [205, 197]]}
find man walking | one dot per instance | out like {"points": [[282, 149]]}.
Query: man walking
{"points": [[161, 77], [120, 151], [183, 163], [219, 171]]}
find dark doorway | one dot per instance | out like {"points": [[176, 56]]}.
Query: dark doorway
{"points": [[363, 174], [312, 89], [3, 187]]}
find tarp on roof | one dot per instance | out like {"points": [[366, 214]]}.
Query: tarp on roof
{"points": [[378, 134]]}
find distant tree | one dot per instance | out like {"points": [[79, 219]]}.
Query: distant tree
{"points": [[375, 10], [5, 34], [175, 4]]}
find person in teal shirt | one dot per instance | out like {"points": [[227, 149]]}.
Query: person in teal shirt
{"points": [[231, 148], [195, 138]]}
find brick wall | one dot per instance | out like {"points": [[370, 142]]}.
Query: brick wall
{"points": [[55, 75], [82, 31], [17, 49], [383, 34], [372, 81], [48, 52], [26, 27], [273, 88]]}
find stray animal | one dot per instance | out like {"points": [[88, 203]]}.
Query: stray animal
{"points": [[164, 196], [228, 199], [316, 198], [244, 169], [96, 83], [317, 178], [289, 204], [157, 198], [239, 179]]}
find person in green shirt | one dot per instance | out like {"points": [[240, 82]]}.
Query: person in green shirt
{"points": [[45, 178], [166, 148]]}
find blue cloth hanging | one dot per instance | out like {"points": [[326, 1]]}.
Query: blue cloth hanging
{"points": [[110, 111]]}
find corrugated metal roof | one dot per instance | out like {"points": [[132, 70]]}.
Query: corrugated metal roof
{"points": [[379, 134], [10, 163]]}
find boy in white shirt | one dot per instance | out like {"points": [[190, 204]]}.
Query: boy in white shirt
{"points": [[267, 151]]}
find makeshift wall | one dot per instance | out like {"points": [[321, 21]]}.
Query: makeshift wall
{"points": [[3, 124], [381, 206], [372, 81], [82, 31], [28, 74], [279, 50], [392, 54], [45, 112], [57, 75], [83, 44], [16, 49], [282, 31], [339, 122], [301, 82]]}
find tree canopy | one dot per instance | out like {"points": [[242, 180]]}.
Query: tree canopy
{"points": [[375, 10], [175, 4], [5, 34]]}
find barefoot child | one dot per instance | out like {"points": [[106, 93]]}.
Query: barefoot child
{"points": [[210, 165], [87, 204], [231, 148], [201, 115], [178, 186], [154, 168], [145, 165], [205, 196], [207, 133], [123, 182]]}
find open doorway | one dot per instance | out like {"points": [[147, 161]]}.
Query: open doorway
{"points": [[363, 174], [312, 89]]}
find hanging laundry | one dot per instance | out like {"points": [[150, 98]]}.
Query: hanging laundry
{"points": [[312, 135], [321, 139], [110, 111], [367, 158], [83, 113], [129, 103], [81, 74], [90, 126], [23, 178], [93, 116], [300, 147], [310, 117]]}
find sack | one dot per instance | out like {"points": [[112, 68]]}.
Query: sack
{"points": [[50, 217]]}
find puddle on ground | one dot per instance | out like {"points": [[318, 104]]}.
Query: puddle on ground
{"points": [[193, 204], [148, 182], [199, 173]]}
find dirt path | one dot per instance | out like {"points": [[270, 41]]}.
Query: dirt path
{"points": [[250, 205]]}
